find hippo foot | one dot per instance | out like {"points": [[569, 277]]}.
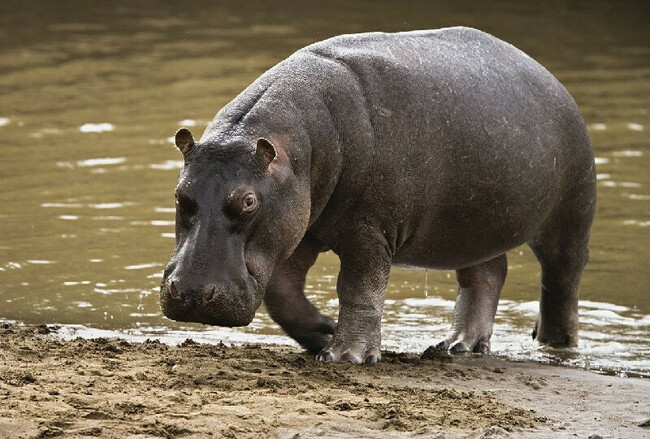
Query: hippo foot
{"points": [[462, 345], [357, 353], [555, 335], [316, 336]]}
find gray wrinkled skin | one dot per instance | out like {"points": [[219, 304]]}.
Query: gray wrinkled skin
{"points": [[436, 149]]}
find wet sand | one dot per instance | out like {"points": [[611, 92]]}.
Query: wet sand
{"points": [[115, 389]]}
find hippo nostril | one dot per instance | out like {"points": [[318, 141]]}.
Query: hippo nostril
{"points": [[209, 294], [173, 291]]}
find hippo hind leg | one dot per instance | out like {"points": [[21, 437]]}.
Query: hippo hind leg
{"points": [[479, 289], [286, 303], [562, 265], [562, 251]]}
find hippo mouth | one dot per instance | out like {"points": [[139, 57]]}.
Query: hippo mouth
{"points": [[213, 307]]}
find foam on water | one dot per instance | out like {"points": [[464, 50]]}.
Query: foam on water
{"points": [[70, 283], [106, 205], [164, 209], [627, 153], [597, 126], [167, 165], [602, 305], [103, 161], [83, 304], [116, 290], [636, 223], [62, 205], [142, 266], [635, 126], [96, 127], [431, 301], [163, 223]]}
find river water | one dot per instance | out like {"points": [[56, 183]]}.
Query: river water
{"points": [[90, 93]]}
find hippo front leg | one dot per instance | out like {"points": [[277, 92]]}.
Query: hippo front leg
{"points": [[361, 289], [286, 303]]}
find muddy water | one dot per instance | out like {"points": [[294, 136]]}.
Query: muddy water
{"points": [[90, 93]]}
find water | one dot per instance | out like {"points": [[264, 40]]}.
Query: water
{"points": [[90, 93]]}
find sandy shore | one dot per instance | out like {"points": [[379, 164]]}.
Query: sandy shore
{"points": [[111, 388]]}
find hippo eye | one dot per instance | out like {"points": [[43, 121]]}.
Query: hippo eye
{"points": [[249, 203], [242, 203]]}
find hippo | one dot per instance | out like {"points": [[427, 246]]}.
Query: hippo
{"points": [[435, 149]]}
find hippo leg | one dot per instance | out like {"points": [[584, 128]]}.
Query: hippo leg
{"points": [[286, 303], [361, 288], [562, 249], [557, 323], [563, 256], [479, 288]]}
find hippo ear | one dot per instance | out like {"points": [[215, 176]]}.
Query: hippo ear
{"points": [[184, 140], [265, 152]]}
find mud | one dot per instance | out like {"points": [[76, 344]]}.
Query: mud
{"points": [[115, 389]]}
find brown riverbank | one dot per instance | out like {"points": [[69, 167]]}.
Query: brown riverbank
{"points": [[111, 388]]}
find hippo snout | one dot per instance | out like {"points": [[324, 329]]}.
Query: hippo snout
{"points": [[207, 295], [210, 304]]}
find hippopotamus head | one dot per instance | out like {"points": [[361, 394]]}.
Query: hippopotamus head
{"points": [[240, 209]]}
